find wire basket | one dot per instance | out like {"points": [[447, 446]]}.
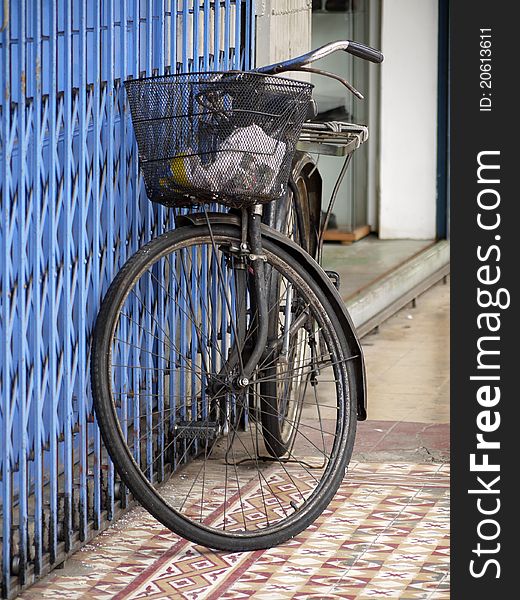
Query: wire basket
{"points": [[217, 137]]}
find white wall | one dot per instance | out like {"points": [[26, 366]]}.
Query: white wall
{"points": [[283, 30], [408, 119]]}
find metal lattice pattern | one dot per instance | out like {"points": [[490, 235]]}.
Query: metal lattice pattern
{"points": [[73, 209]]}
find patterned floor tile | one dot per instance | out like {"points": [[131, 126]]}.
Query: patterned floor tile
{"points": [[385, 535]]}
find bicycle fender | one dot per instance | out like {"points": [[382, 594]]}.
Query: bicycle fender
{"points": [[305, 166], [336, 300], [314, 269]]}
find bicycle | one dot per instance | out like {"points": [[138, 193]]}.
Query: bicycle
{"points": [[226, 374]]}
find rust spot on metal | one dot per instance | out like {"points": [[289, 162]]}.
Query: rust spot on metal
{"points": [[23, 81], [6, 16]]}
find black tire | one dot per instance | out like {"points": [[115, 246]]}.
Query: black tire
{"points": [[146, 462], [280, 408]]}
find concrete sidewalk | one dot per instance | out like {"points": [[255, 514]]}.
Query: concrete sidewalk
{"points": [[385, 535]]}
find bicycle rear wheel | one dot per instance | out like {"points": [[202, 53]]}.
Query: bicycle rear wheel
{"points": [[281, 397], [169, 340]]}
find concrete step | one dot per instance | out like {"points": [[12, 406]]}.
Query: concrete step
{"points": [[379, 300]]}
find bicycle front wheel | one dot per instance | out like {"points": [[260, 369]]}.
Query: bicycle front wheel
{"points": [[172, 334]]}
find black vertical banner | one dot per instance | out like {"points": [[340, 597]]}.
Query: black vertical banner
{"points": [[485, 261]]}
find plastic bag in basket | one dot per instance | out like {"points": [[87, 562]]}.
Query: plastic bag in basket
{"points": [[247, 160]]}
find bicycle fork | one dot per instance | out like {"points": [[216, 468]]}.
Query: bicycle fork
{"points": [[251, 231]]}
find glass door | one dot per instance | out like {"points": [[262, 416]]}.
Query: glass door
{"points": [[338, 20]]}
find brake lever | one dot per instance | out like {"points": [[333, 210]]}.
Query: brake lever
{"points": [[347, 84]]}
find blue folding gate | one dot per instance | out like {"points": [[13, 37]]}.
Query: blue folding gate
{"points": [[72, 210]]}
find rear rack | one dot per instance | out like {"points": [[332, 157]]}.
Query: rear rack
{"points": [[333, 138]]}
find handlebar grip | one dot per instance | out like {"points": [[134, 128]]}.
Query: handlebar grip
{"points": [[365, 52]]}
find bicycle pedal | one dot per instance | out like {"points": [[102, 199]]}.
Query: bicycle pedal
{"points": [[334, 277], [191, 430]]}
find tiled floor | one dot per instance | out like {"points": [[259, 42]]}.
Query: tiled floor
{"points": [[408, 362], [383, 441], [385, 534]]}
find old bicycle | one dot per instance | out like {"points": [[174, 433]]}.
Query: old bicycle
{"points": [[226, 374]]}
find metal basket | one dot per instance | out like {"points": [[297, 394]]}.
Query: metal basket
{"points": [[225, 137]]}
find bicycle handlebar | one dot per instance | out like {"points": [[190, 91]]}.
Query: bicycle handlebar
{"points": [[354, 48], [365, 52]]}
